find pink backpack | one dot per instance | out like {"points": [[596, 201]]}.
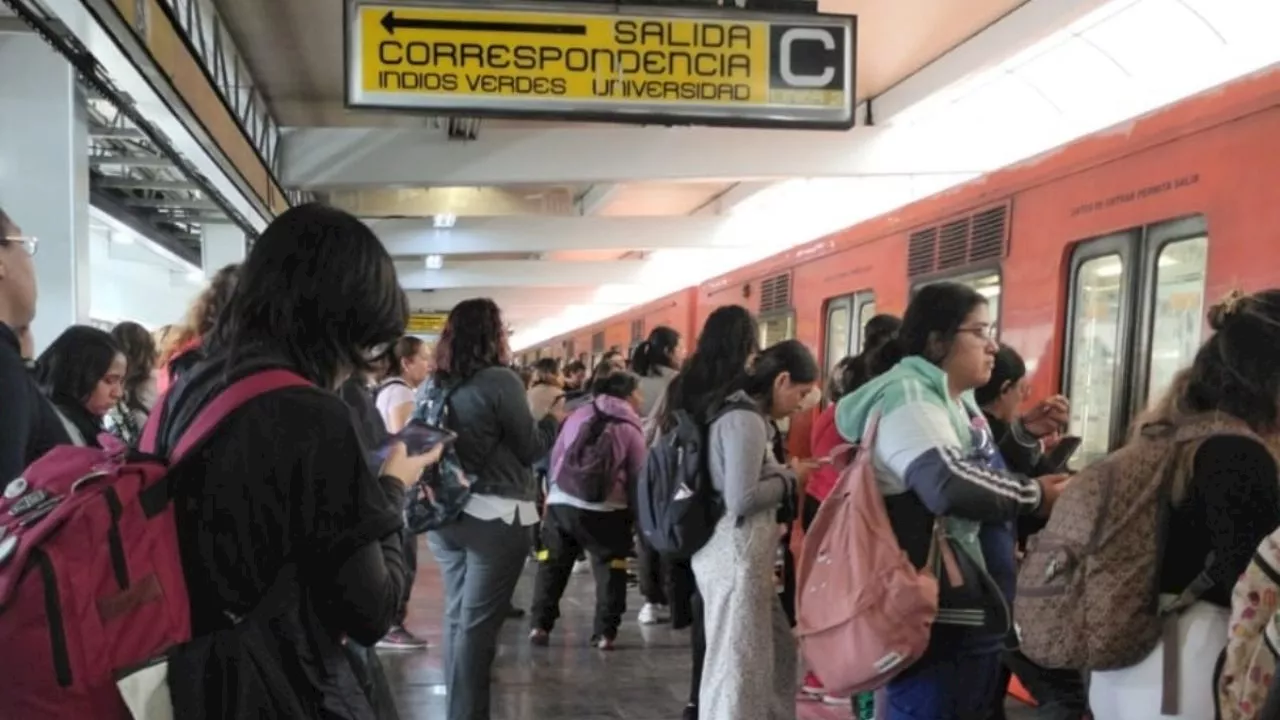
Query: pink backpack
{"points": [[91, 581], [864, 612]]}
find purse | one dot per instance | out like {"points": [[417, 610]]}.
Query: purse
{"points": [[442, 492]]}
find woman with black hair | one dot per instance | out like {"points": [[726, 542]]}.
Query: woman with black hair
{"points": [[750, 664], [655, 361], [602, 439], [1226, 500], [277, 510], [1059, 693], [127, 417], [482, 553], [937, 467], [82, 373]]}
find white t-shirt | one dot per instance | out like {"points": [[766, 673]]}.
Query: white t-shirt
{"points": [[393, 393]]}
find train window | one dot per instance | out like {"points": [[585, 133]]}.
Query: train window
{"points": [[777, 328], [847, 318], [1095, 336], [839, 313], [1178, 314], [1134, 319]]}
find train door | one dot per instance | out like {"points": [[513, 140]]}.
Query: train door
{"points": [[847, 318], [1135, 317]]}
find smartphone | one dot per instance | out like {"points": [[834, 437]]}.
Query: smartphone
{"points": [[418, 437], [1061, 453]]}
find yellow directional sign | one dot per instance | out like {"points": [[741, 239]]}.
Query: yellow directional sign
{"points": [[426, 323], [697, 65]]}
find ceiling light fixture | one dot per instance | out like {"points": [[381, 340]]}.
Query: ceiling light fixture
{"points": [[444, 220], [435, 262]]}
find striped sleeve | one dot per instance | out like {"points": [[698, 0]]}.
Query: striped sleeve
{"points": [[918, 444]]}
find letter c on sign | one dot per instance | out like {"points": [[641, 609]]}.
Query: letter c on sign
{"points": [[794, 35]]}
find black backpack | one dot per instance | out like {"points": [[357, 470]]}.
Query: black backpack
{"points": [[677, 507]]}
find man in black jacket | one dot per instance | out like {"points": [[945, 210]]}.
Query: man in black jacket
{"points": [[29, 427]]}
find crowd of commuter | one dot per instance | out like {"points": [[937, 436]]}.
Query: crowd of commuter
{"points": [[301, 503]]}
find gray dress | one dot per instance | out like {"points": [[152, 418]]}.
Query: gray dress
{"points": [[750, 667]]}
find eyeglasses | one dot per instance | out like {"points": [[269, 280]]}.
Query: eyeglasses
{"points": [[30, 244], [982, 332]]}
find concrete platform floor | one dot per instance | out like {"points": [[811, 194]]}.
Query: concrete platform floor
{"points": [[645, 678]]}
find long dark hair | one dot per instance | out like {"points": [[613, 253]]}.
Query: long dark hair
{"points": [[473, 339], [789, 356], [1235, 371], [139, 350], [319, 290], [855, 371], [655, 352], [728, 339], [929, 325], [69, 370], [619, 384]]}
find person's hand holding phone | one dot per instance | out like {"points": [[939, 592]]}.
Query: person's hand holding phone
{"points": [[1051, 487], [408, 468]]}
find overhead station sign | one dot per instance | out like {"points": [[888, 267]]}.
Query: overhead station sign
{"points": [[426, 323], [701, 66]]}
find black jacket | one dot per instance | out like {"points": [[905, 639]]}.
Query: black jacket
{"points": [[498, 439], [29, 427], [281, 488]]}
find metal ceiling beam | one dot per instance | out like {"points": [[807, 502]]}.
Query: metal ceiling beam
{"points": [[115, 133], [171, 202], [550, 233], [140, 184], [151, 161], [139, 224], [519, 273]]}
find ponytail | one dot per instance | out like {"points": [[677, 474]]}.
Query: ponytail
{"points": [[655, 352]]}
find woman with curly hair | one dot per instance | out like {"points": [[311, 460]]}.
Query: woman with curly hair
{"points": [[181, 349]]}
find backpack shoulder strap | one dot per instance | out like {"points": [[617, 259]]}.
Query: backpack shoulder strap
{"points": [[225, 403]]}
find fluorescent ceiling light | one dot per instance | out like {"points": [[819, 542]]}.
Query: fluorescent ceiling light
{"points": [[195, 276], [444, 220], [434, 262]]}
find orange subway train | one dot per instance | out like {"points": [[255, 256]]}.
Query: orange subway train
{"points": [[1099, 257]]}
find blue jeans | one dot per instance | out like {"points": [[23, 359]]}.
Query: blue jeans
{"points": [[945, 688], [480, 562]]}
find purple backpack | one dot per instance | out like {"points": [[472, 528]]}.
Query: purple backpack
{"points": [[588, 466]]}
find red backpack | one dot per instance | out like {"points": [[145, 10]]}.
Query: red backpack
{"points": [[91, 580]]}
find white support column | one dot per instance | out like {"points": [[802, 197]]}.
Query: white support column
{"points": [[44, 176], [221, 244]]}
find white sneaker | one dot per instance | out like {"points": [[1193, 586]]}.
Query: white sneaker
{"points": [[652, 614]]}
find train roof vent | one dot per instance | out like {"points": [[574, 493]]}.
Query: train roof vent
{"points": [[920, 251], [958, 242], [775, 293], [987, 233], [953, 244]]}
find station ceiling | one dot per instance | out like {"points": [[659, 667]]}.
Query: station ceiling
{"points": [[543, 215]]}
